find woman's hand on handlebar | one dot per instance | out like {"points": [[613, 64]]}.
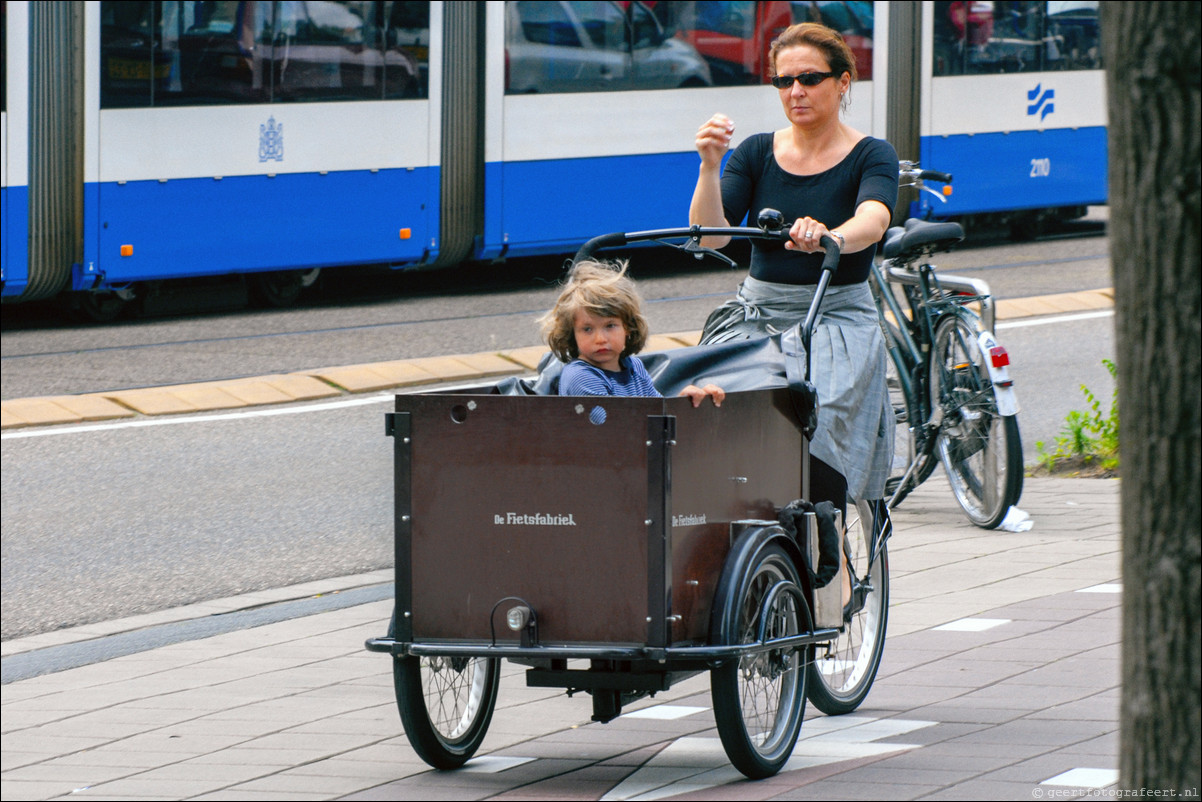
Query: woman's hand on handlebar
{"points": [[806, 236], [713, 140]]}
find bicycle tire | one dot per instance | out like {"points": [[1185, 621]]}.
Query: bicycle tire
{"points": [[979, 448], [446, 704], [759, 700], [842, 672]]}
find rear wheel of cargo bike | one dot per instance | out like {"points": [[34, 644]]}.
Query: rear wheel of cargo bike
{"points": [[843, 670], [759, 699]]}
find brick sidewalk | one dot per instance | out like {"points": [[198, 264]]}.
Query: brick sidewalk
{"points": [[1000, 679]]}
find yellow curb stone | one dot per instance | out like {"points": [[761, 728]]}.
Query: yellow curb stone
{"points": [[301, 387], [206, 396], [661, 342], [92, 407], [254, 392], [151, 401], [528, 358], [686, 338], [441, 367], [402, 372], [356, 378], [10, 420], [486, 364], [1096, 299], [38, 412], [1064, 303], [454, 368], [1025, 307]]}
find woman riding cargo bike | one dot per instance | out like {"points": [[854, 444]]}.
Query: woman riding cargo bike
{"points": [[826, 178]]}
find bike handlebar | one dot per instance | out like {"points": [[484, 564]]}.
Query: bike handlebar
{"points": [[935, 175], [694, 234], [771, 228]]}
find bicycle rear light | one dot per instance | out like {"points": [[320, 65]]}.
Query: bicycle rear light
{"points": [[999, 357]]}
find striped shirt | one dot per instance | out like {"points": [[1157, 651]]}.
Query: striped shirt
{"points": [[581, 378]]}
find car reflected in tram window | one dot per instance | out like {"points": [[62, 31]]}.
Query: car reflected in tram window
{"points": [[594, 47]]}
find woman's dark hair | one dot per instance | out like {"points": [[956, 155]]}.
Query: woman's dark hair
{"points": [[828, 41]]}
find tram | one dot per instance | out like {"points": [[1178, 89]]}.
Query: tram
{"points": [[146, 142]]}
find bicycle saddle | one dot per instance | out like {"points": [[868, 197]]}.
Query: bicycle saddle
{"points": [[920, 236]]}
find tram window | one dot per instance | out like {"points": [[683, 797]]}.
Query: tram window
{"points": [[131, 65], [596, 46], [1025, 36], [734, 37], [202, 52]]}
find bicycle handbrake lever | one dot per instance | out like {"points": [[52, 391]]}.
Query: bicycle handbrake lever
{"points": [[693, 245]]}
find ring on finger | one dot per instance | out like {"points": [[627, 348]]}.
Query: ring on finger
{"points": [[809, 235]]}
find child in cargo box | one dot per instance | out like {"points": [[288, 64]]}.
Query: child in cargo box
{"points": [[597, 327]]}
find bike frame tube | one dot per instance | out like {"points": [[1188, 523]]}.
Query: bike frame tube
{"points": [[905, 355], [599, 652]]}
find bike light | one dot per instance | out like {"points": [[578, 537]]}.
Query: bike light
{"points": [[999, 357], [517, 618]]}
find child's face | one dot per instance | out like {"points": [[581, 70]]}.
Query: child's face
{"points": [[600, 340]]}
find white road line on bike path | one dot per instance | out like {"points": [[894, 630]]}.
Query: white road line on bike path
{"points": [[379, 399], [1043, 321], [199, 418]]}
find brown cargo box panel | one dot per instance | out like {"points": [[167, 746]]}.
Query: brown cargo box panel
{"points": [[537, 497]]}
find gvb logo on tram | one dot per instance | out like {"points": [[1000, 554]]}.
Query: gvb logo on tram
{"points": [[1039, 102]]}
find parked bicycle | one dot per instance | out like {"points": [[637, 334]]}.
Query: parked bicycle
{"points": [[948, 378]]}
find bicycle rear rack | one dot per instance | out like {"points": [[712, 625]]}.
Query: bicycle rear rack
{"points": [[972, 286]]}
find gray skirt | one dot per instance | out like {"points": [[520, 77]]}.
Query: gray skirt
{"points": [[855, 418]]}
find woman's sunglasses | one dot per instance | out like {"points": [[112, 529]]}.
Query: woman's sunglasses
{"points": [[806, 79]]}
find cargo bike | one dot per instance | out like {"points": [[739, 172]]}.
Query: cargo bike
{"points": [[617, 546]]}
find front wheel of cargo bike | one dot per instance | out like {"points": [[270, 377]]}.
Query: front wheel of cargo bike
{"points": [[759, 699], [446, 704]]}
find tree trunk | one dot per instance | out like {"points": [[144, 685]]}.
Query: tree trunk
{"points": [[1151, 53]]}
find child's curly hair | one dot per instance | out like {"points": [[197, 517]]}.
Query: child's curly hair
{"points": [[602, 289]]}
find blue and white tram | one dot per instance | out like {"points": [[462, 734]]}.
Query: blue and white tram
{"points": [[193, 138], [1014, 106]]}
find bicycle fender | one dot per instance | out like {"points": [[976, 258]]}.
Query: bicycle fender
{"points": [[724, 609], [1003, 385]]}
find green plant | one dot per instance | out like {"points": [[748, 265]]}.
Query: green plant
{"points": [[1088, 439]]}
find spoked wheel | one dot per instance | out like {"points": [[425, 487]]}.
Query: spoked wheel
{"points": [[907, 450], [446, 704], [759, 700], [979, 448], [843, 671]]}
